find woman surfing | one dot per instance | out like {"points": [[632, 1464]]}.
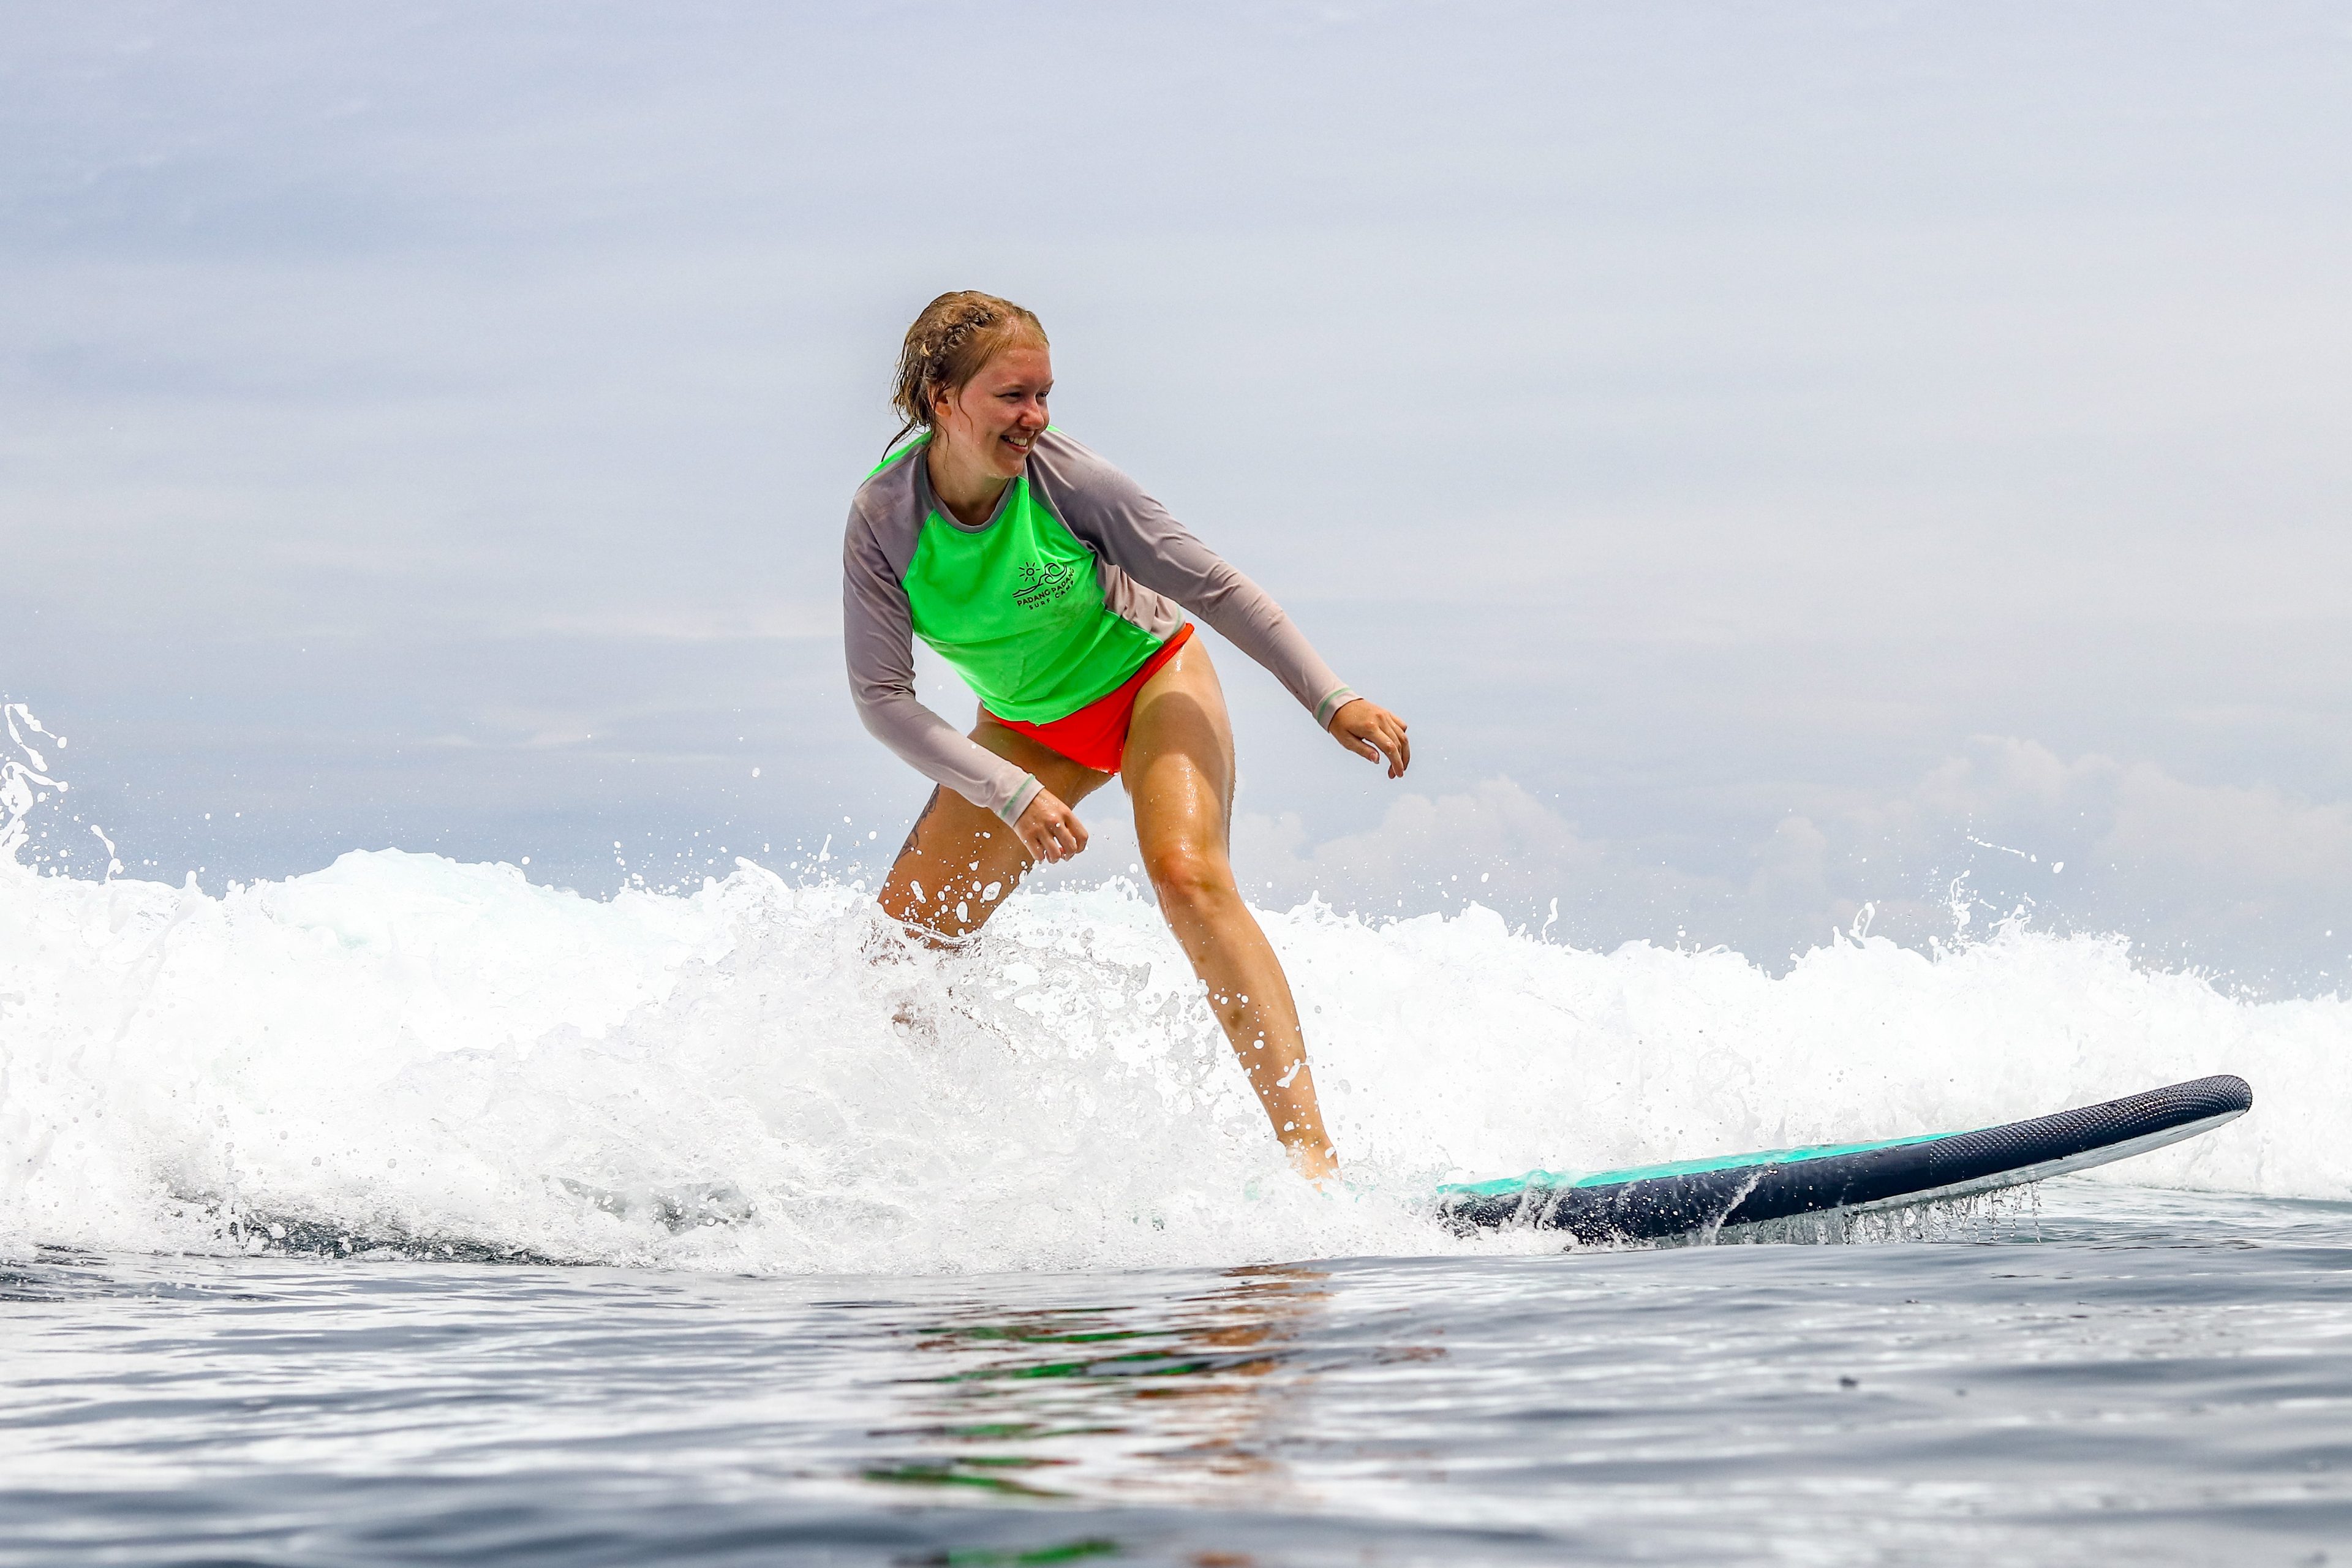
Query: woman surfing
{"points": [[1058, 590]]}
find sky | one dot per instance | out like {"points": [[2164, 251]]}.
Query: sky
{"points": [[1797, 467]]}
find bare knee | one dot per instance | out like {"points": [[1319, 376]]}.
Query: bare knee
{"points": [[1188, 875]]}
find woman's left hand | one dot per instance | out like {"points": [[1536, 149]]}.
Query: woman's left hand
{"points": [[1371, 731]]}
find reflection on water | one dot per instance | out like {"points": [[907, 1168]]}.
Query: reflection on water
{"points": [[1181, 1401], [2156, 1379]]}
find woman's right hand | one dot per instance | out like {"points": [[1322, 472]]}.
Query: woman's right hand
{"points": [[1048, 829]]}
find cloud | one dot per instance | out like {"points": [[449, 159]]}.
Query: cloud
{"points": [[1695, 468], [1424, 845], [2243, 879], [2255, 839], [2133, 817], [1497, 844]]}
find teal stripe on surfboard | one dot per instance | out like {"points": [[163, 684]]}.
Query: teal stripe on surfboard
{"points": [[1686, 1167]]}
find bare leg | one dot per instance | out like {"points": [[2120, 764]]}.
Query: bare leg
{"points": [[1179, 768], [940, 884]]}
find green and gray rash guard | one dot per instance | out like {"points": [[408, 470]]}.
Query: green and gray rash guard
{"points": [[1071, 585]]}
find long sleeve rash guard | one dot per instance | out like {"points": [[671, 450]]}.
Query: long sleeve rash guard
{"points": [[1070, 585]]}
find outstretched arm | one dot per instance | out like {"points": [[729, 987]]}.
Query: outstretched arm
{"points": [[1144, 540]]}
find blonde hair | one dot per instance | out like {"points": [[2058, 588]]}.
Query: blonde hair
{"points": [[956, 335]]}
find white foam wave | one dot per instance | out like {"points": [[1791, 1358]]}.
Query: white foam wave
{"points": [[400, 1045]]}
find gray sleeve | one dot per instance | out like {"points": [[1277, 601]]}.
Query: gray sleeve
{"points": [[878, 637], [1143, 538]]}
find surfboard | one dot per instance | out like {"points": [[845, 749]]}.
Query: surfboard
{"points": [[1732, 1192]]}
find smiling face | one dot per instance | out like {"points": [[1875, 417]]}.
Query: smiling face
{"points": [[990, 421]]}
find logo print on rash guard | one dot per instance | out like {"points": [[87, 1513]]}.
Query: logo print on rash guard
{"points": [[1042, 584]]}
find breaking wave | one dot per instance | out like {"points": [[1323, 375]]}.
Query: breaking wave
{"points": [[404, 1052]]}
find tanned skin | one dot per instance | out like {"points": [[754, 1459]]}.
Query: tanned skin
{"points": [[960, 861]]}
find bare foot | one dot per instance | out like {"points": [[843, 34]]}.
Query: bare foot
{"points": [[1315, 1162]]}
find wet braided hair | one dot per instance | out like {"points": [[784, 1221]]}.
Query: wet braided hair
{"points": [[955, 336]]}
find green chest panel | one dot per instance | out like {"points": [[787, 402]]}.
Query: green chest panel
{"points": [[1017, 608]]}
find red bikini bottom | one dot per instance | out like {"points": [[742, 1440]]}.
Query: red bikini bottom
{"points": [[1096, 735]]}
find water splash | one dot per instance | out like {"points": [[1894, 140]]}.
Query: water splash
{"points": [[403, 1050], [400, 1054], [25, 784]]}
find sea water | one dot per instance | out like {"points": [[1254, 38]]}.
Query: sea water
{"points": [[412, 1210]]}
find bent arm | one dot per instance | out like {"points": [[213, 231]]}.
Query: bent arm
{"points": [[879, 639], [1245, 615], [1143, 539]]}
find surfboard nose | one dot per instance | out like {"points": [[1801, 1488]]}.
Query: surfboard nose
{"points": [[2241, 1093], [1707, 1195]]}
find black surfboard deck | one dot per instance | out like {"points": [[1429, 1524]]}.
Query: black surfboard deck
{"points": [[1696, 1197]]}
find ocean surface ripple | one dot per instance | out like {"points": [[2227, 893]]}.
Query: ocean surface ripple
{"points": [[2116, 1375]]}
